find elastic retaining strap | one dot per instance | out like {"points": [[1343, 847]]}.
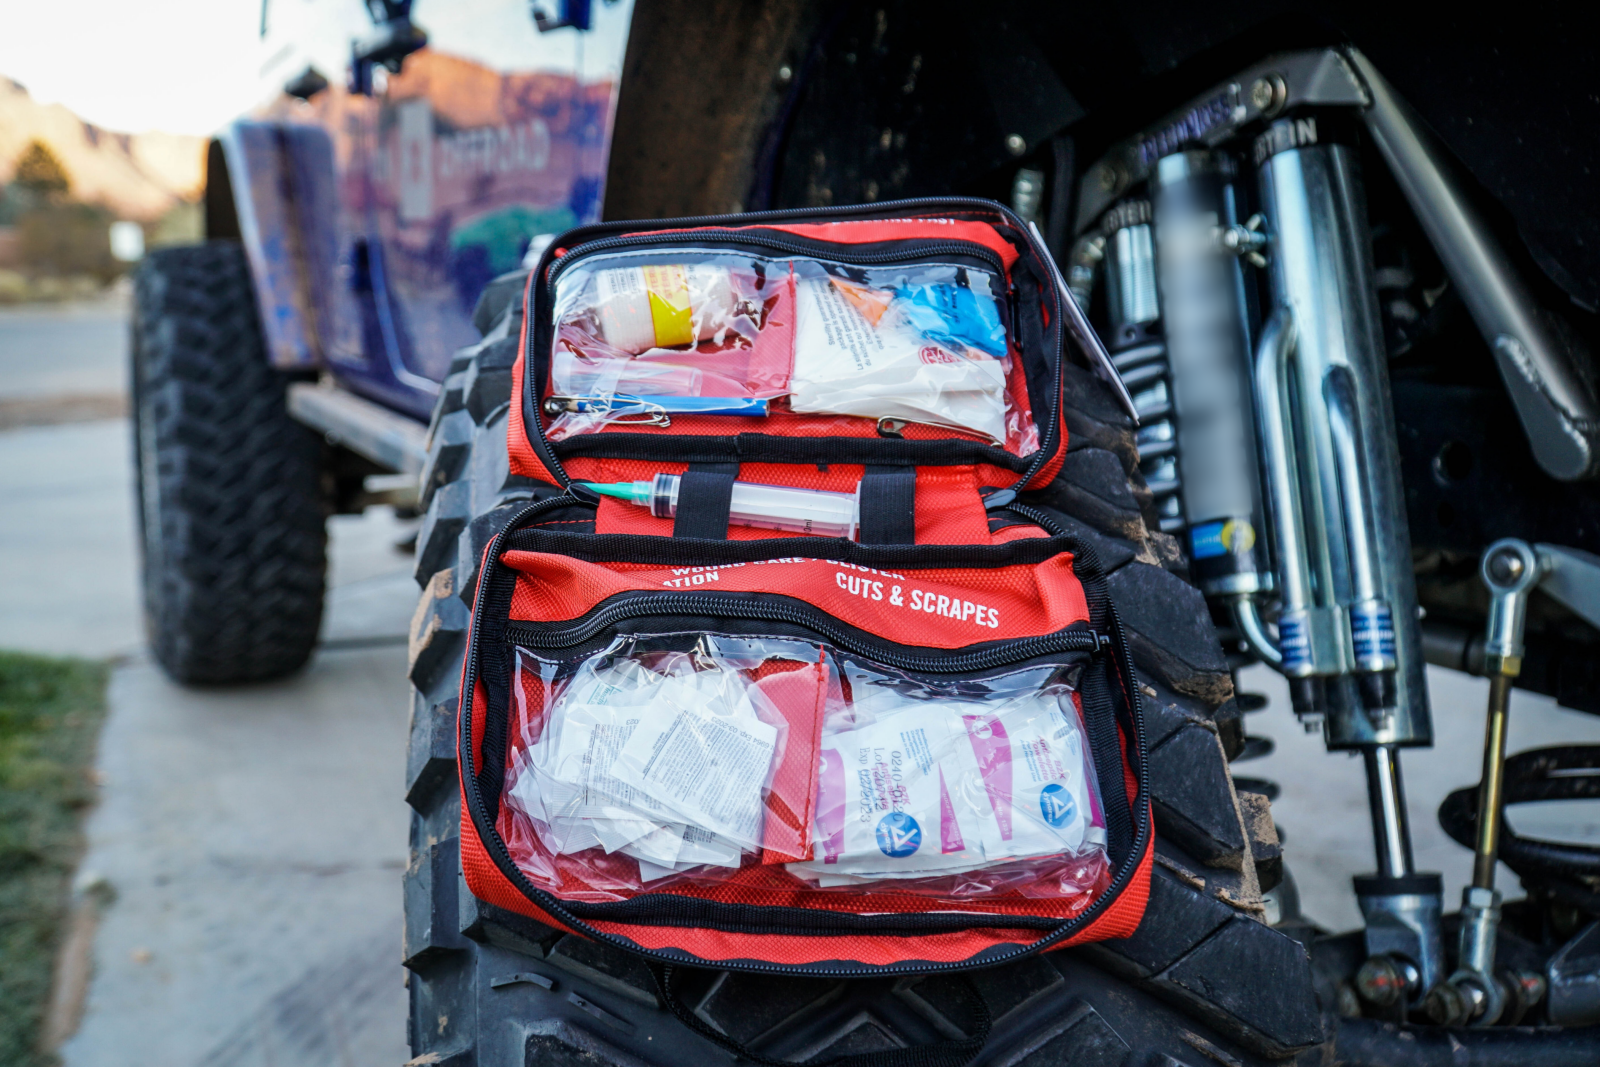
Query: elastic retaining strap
{"points": [[705, 492], [888, 506]]}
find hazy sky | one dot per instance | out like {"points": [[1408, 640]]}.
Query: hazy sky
{"points": [[189, 66], [184, 66]]}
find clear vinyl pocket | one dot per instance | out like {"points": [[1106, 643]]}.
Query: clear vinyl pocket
{"points": [[726, 765], [695, 337], [920, 334], [799, 751]]}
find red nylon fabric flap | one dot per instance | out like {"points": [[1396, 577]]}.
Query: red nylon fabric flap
{"points": [[798, 950], [937, 608], [968, 605], [873, 231]]}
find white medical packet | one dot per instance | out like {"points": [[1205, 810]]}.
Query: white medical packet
{"points": [[944, 786], [895, 794], [1035, 769], [704, 757], [846, 365], [573, 782]]}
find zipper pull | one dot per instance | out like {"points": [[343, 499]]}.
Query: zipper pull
{"points": [[583, 494], [998, 498]]}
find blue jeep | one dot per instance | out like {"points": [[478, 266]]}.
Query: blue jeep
{"points": [[353, 223]]}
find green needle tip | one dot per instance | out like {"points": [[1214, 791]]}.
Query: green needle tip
{"points": [[620, 490]]}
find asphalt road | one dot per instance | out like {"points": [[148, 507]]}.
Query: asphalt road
{"points": [[70, 349], [253, 837]]}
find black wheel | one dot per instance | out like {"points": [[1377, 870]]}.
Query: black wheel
{"points": [[1203, 980], [231, 515]]}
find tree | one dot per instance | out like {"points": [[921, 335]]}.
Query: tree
{"points": [[40, 172], [65, 239]]}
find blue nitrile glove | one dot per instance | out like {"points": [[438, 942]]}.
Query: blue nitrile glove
{"points": [[955, 316]]}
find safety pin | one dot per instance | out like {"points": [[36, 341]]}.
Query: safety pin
{"points": [[610, 409], [894, 426]]}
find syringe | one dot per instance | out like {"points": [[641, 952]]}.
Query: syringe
{"points": [[772, 507]]}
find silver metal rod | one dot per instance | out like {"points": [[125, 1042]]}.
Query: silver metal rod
{"points": [[1339, 394], [1391, 835], [1538, 359], [1371, 622]]}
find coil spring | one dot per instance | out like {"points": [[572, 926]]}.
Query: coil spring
{"points": [[1255, 746], [1145, 372]]}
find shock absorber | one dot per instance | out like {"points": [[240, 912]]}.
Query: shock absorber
{"points": [[1348, 638], [1139, 352], [1207, 310], [1206, 313]]}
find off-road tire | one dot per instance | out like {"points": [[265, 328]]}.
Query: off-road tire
{"points": [[1204, 980], [231, 515]]}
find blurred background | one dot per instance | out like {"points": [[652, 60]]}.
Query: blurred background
{"points": [[206, 875], [104, 113], [211, 875]]}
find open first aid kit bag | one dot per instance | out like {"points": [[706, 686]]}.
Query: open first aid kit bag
{"points": [[777, 671]]}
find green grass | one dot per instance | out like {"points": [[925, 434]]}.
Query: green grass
{"points": [[50, 713]]}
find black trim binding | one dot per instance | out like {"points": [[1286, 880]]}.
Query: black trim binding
{"points": [[1114, 704]]}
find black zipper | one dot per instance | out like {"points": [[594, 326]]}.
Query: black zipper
{"points": [[553, 268], [865, 212], [937, 661], [490, 838]]}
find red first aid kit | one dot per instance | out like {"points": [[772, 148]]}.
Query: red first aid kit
{"points": [[706, 742]]}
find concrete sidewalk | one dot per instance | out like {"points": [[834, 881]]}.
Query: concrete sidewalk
{"points": [[250, 839], [254, 839]]}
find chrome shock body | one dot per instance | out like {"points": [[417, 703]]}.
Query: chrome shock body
{"points": [[1205, 306]]}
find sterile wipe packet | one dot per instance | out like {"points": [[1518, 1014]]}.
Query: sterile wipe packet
{"points": [[848, 363], [704, 759], [894, 794], [576, 785], [1032, 761], [572, 788], [947, 786]]}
